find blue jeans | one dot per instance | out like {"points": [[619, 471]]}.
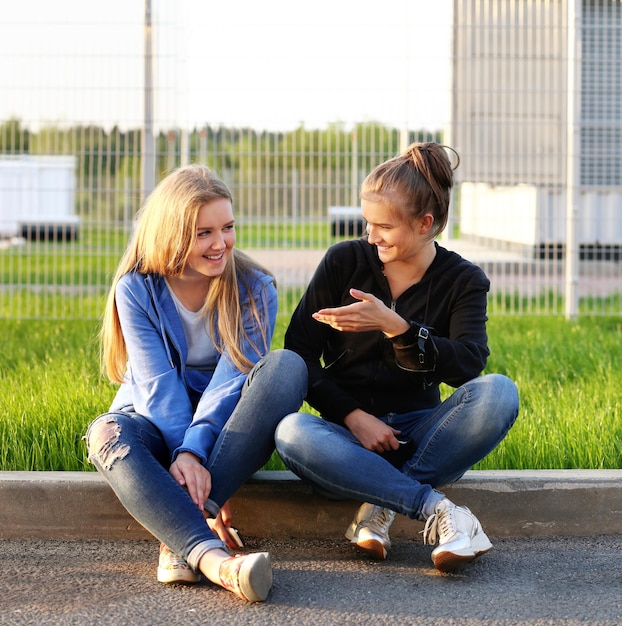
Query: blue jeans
{"points": [[139, 473], [449, 440]]}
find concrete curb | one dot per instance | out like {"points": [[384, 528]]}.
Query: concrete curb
{"points": [[80, 505]]}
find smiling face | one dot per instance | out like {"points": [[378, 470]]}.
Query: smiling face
{"points": [[215, 238], [398, 239]]}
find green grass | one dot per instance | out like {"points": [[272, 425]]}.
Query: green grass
{"points": [[50, 388], [569, 377]]}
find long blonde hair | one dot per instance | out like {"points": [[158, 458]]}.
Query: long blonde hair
{"points": [[162, 241]]}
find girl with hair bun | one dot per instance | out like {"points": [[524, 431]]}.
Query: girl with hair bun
{"points": [[384, 321], [186, 333]]}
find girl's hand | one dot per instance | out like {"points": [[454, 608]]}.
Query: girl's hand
{"points": [[188, 471], [221, 525], [373, 433], [369, 313]]}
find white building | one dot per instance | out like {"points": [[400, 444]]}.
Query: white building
{"points": [[537, 118]]}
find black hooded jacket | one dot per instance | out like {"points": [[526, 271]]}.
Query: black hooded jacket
{"points": [[366, 370]]}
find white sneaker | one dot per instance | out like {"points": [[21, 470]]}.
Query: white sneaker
{"points": [[459, 534], [369, 530]]}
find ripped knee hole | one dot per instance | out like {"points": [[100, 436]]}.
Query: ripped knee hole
{"points": [[103, 442]]}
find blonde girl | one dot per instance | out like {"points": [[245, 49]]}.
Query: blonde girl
{"points": [[186, 334]]}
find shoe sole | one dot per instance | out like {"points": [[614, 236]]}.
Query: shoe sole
{"points": [[167, 577], [450, 561], [372, 548], [255, 576]]}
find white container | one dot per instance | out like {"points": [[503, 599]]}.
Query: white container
{"points": [[346, 221], [534, 218], [37, 196]]}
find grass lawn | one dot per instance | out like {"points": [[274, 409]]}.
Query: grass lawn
{"points": [[569, 376]]}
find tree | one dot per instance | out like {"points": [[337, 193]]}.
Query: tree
{"points": [[13, 138]]}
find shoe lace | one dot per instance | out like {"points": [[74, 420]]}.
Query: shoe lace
{"points": [[381, 520], [440, 524]]}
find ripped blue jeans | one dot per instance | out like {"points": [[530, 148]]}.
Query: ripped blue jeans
{"points": [[138, 472], [449, 439]]}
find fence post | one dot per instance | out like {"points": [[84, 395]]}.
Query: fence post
{"points": [[147, 148], [573, 173]]}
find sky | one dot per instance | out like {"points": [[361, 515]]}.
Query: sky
{"points": [[267, 64]]}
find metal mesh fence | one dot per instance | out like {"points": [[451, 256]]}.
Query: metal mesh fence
{"points": [[529, 92]]}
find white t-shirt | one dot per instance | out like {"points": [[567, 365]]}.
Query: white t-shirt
{"points": [[202, 354]]}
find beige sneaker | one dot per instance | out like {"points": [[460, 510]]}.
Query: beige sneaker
{"points": [[249, 576], [173, 569], [369, 530]]}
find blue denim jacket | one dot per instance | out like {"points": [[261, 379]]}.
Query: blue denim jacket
{"points": [[189, 407]]}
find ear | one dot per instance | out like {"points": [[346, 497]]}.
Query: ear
{"points": [[427, 221]]}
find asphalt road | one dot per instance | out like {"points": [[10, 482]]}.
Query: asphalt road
{"points": [[535, 581]]}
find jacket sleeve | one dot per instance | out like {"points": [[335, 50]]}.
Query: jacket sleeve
{"points": [[457, 347], [153, 386], [309, 337], [222, 394]]}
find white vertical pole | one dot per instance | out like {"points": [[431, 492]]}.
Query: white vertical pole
{"points": [[295, 195], [449, 130], [184, 157], [354, 169], [572, 163], [184, 147], [148, 147], [406, 103]]}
